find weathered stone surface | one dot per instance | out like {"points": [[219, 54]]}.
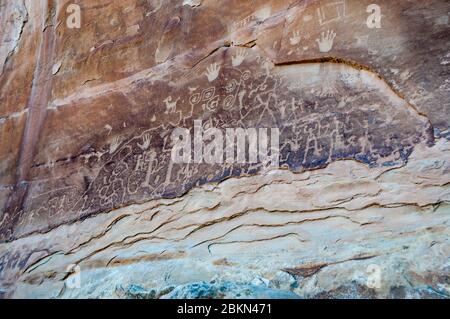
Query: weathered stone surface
{"points": [[331, 225], [86, 117]]}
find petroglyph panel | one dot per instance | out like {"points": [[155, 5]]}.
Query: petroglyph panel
{"points": [[325, 112], [358, 91]]}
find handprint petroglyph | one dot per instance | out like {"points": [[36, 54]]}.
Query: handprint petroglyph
{"points": [[239, 57], [115, 144], [331, 11], [145, 142], [296, 37], [326, 41], [212, 72]]}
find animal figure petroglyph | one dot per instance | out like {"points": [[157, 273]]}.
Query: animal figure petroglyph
{"points": [[171, 106]]}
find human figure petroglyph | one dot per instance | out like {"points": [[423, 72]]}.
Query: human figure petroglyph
{"points": [[139, 163], [367, 146], [207, 98]]}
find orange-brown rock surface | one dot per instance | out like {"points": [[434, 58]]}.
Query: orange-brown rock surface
{"points": [[360, 94]]}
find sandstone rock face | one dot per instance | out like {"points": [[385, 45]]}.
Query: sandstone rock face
{"points": [[357, 207]]}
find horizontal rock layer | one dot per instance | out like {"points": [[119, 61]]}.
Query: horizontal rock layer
{"points": [[86, 177], [315, 234]]}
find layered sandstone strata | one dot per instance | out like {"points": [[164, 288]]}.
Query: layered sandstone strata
{"points": [[86, 177]]}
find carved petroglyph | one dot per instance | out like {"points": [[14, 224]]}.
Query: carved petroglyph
{"points": [[331, 11], [326, 41], [171, 106], [259, 15], [212, 72], [296, 37], [239, 57], [115, 144], [319, 121], [145, 142]]}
